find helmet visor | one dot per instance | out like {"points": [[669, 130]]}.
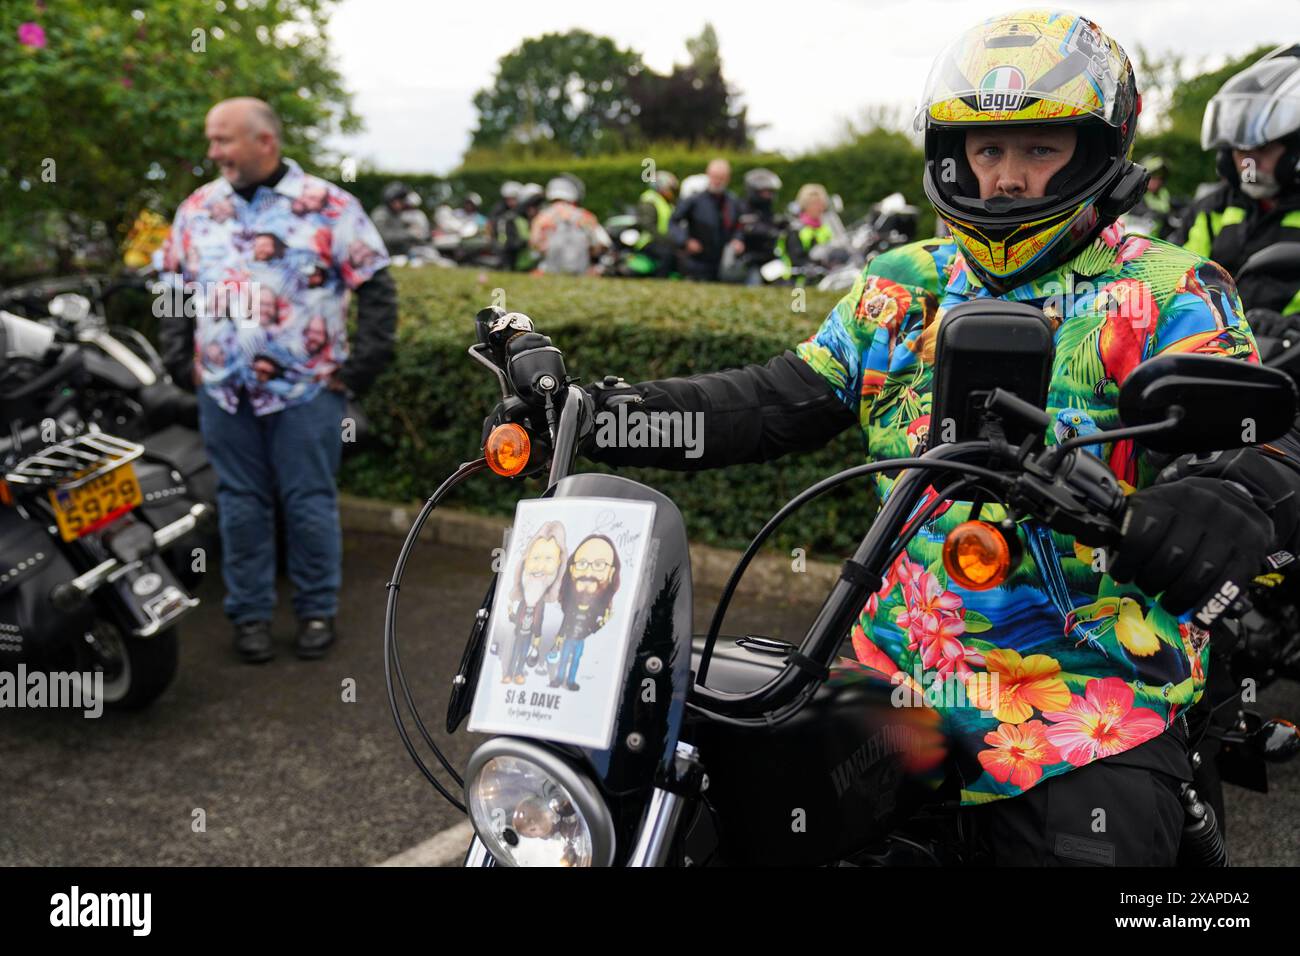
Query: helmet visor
{"points": [[1029, 67], [1254, 108]]}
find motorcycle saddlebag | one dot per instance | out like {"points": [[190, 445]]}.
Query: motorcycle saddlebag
{"points": [[32, 630]]}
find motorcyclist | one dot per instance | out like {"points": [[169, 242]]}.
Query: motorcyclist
{"points": [[470, 210], [809, 228], [400, 221], [514, 228], [759, 228], [504, 208], [1253, 125], [654, 213], [567, 237], [704, 222], [1029, 120], [1158, 206]]}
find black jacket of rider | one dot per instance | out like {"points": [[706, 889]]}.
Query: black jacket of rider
{"points": [[711, 219], [1229, 227]]}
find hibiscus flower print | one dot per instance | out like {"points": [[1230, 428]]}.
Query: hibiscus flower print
{"points": [[1018, 754], [1101, 723], [1015, 686], [938, 639], [925, 597]]}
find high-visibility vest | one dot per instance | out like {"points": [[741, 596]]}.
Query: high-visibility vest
{"points": [[1200, 238], [663, 212]]}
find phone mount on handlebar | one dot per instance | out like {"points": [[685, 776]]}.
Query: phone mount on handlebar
{"points": [[984, 347]]}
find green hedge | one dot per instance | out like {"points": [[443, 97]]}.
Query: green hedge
{"points": [[427, 410], [873, 166]]}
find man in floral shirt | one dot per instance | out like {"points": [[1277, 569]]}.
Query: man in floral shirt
{"points": [[1075, 676], [269, 257]]}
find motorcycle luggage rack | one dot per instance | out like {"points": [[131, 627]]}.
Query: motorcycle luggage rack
{"points": [[74, 462]]}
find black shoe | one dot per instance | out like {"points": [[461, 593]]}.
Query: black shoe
{"points": [[253, 642], [315, 635], [571, 685]]}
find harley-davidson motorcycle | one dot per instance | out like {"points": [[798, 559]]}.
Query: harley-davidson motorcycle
{"points": [[86, 517], [697, 750]]}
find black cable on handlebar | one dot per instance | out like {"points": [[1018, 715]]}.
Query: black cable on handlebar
{"points": [[923, 516], [392, 660], [808, 494]]}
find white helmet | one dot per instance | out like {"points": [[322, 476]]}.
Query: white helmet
{"points": [[693, 184], [562, 188]]}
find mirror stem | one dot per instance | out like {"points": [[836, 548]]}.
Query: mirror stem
{"points": [[1113, 434]]}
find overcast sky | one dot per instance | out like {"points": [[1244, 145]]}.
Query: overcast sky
{"points": [[803, 66]]}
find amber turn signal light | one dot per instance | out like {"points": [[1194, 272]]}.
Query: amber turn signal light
{"points": [[977, 556], [507, 449]]}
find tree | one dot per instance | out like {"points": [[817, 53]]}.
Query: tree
{"points": [[561, 89], [104, 104], [693, 104]]}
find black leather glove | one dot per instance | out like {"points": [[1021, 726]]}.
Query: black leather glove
{"points": [[1187, 537], [1274, 486]]}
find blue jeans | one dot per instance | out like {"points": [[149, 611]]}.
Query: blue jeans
{"points": [[569, 656], [291, 456]]}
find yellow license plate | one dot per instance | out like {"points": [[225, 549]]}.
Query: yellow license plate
{"points": [[79, 511]]}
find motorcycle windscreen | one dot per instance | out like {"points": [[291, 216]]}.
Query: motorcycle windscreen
{"points": [[567, 611]]}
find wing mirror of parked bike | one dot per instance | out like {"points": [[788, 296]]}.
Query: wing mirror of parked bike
{"points": [[1206, 403], [71, 307], [1281, 260]]}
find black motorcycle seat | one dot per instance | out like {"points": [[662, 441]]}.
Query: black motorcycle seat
{"points": [[165, 402], [178, 446]]}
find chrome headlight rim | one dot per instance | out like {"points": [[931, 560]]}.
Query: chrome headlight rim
{"points": [[586, 797]]}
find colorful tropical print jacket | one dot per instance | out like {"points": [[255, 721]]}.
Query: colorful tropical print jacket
{"points": [[1060, 665]]}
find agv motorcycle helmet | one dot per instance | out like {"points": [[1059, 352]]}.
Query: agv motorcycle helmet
{"points": [[1031, 67]]}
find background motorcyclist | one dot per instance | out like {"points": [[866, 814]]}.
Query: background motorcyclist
{"points": [[759, 228], [567, 237], [400, 221], [1159, 209], [1030, 181], [1253, 125], [519, 228], [704, 222], [654, 213], [809, 228], [504, 207], [471, 210]]}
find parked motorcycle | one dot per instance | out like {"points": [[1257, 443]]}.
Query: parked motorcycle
{"points": [[688, 750], [124, 389], [84, 586], [890, 223]]}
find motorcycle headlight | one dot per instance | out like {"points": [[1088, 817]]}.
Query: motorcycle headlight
{"points": [[531, 807]]}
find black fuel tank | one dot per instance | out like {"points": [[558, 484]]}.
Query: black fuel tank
{"points": [[827, 782]]}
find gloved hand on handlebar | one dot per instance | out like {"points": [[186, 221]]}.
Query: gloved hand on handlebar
{"points": [[1187, 537]]}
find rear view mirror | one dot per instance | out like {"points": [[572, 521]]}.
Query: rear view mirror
{"points": [[1226, 403]]}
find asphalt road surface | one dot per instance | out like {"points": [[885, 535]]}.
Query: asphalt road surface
{"points": [[286, 772]]}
